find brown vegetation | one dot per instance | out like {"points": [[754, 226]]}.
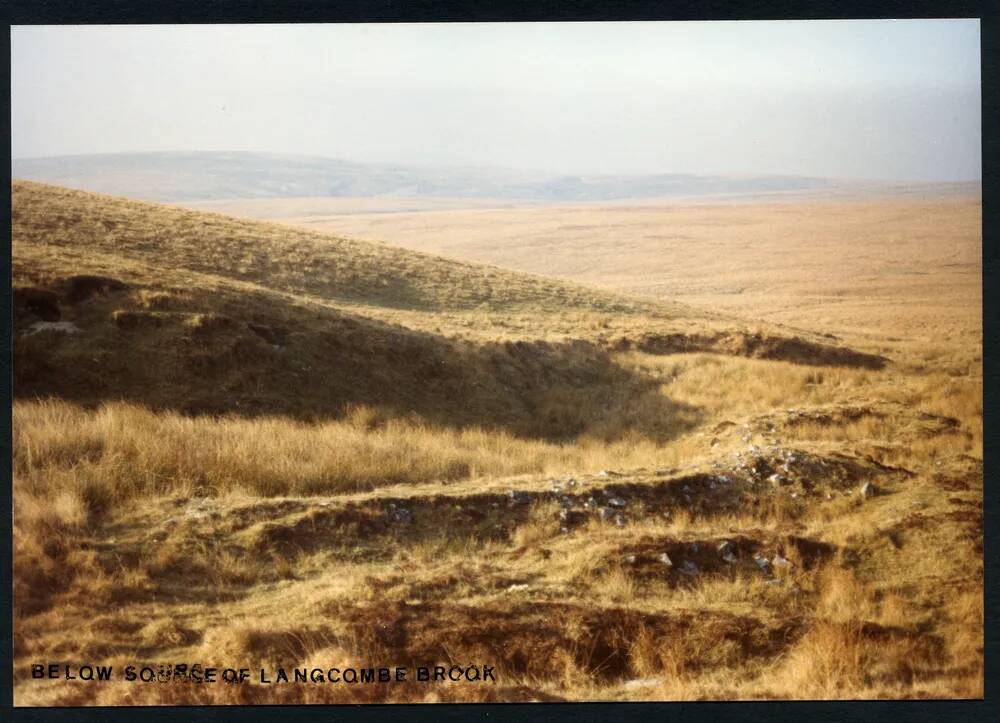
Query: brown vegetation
{"points": [[262, 447]]}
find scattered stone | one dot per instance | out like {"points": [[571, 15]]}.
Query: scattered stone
{"points": [[665, 559], [606, 513], [517, 587], [630, 559], [763, 563], [727, 551], [688, 567], [868, 490], [401, 515], [617, 502], [519, 497], [63, 327]]}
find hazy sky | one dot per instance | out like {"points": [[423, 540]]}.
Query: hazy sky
{"points": [[851, 99]]}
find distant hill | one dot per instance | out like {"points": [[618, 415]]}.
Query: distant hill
{"points": [[195, 176]]}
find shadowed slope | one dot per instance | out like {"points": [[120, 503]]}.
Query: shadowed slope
{"points": [[200, 313]]}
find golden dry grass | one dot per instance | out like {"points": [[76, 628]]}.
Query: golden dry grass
{"points": [[198, 495], [854, 265]]}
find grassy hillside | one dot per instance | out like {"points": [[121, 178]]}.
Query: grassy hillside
{"points": [[204, 313], [856, 266], [237, 443]]}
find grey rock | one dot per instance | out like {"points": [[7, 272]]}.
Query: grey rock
{"points": [[727, 551], [688, 567], [868, 490], [665, 559], [401, 515], [63, 327], [617, 502], [519, 497]]}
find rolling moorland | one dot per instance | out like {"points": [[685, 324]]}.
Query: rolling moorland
{"points": [[205, 175], [250, 444], [856, 263]]}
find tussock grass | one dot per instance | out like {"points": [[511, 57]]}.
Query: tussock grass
{"points": [[206, 471], [97, 459]]}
